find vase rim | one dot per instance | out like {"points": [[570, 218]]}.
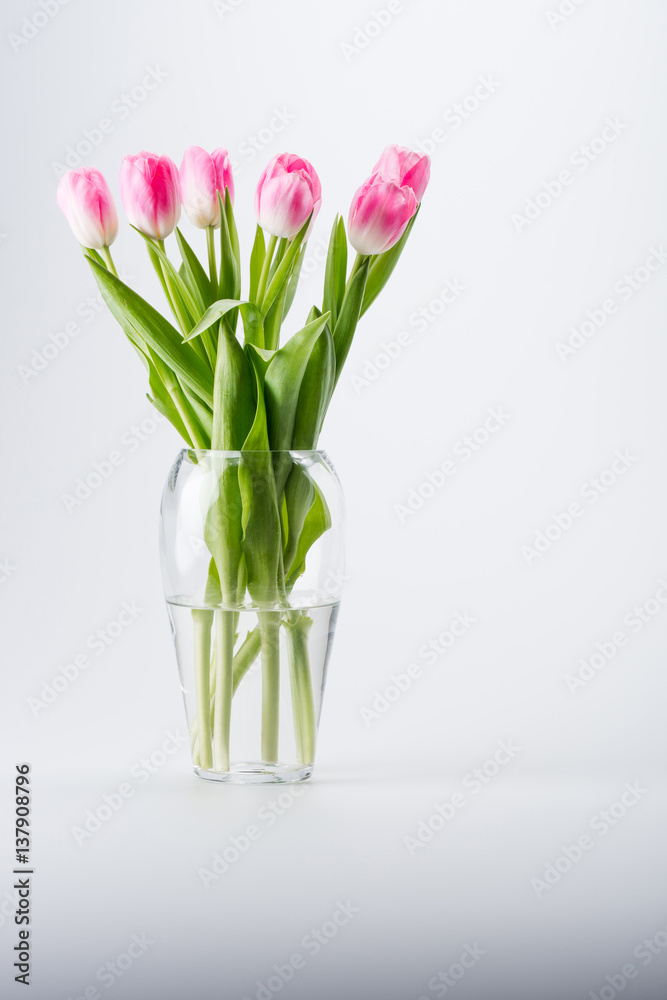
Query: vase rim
{"points": [[255, 451]]}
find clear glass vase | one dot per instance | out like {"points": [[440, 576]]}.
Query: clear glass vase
{"points": [[252, 566]]}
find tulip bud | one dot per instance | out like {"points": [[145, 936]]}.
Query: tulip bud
{"points": [[86, 201], [202, 176], [288, 192], [150, 192], [406, 168], [379, 213]]}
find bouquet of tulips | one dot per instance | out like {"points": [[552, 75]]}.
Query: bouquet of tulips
{"points": [[219, 374]]}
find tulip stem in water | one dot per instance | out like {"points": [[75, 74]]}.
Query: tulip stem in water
{"points": [[202, 622], [222, 710], [297, 627], [269, 625], [246, 656]]}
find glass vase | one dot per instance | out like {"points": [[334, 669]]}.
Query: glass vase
{"points": [[252, 564]]}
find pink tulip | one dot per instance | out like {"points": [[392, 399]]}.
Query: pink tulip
{"points": [[202, 176], [379, 213], [84, 197], [287, 192], [406, 168], [151, 193]]}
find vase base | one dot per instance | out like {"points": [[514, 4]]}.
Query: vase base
{"points": [[258, 773]]}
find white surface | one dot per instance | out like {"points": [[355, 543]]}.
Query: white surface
{"points": [[553, 89]]}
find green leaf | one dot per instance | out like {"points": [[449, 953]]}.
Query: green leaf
{"points": [[349, 315], [135, 315], [215, 312], [382, 266], [223, 531], [234, 401], [196, 417], [203, 415], [284, 269], [336, 271], [256, 263], [229, 282], [317, 521], [233, 234], [194, 274], [262, 538], [164, 406], [273, 320], [253, 326], [281, 250], [317, 387], [177, 286], [95, 255], [260, 359], [299, 497], [283, 382], [293, 283], [161, 399], [258, 435]]}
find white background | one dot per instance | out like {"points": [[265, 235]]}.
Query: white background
{"points": [[552, 84]]}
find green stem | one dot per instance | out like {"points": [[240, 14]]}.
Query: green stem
{"points": [[157, 267], [202, 622], [280, 253], [224, 655], [266, 267], [174, 303], [358, 261], [212, 266], [106, 253], [179, 400], [269, 626], [297, 627], [246, 656]]}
